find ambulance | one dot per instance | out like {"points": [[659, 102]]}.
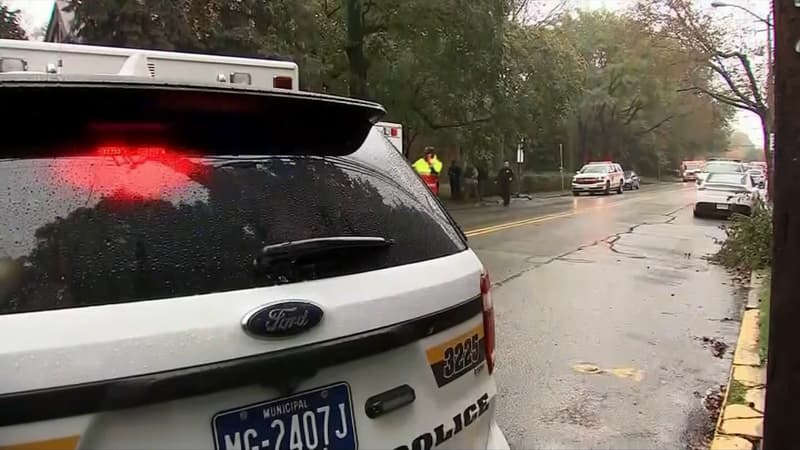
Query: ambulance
{"points": [[393, 132], [66, 59]]}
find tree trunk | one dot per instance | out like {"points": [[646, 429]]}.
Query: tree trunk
{"points": [[354, 47], [783, 360], [584, 150]]}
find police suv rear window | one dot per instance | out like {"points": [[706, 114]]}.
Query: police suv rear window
{"points": [[123, 224]]}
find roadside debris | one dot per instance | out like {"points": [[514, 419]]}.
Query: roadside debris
{"points": [[717, 347], [713, 400]]}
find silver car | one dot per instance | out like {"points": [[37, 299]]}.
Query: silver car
{"points": [[720, 166]]}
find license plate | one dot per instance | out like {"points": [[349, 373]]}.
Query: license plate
{"points": [[321, 418], [722, 206]]}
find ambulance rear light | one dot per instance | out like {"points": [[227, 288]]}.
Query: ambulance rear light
{"points": [[282, 82]]}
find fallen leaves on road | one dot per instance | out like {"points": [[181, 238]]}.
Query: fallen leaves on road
{"points": [[587, 368], [621, 372]]}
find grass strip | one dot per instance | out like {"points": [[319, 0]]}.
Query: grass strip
{"points": [[736, 395]]}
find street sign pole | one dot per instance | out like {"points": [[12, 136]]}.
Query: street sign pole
{"points": [[520, 161]]}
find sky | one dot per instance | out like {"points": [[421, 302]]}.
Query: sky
{"points": [[36, 13]]}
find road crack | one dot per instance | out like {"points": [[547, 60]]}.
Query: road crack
{"points": [[609, 240]]}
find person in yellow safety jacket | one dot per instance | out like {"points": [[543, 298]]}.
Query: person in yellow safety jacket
{"points": [[428, 164]]}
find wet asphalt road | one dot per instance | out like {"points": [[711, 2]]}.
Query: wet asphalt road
{"points": [[602, 304]]}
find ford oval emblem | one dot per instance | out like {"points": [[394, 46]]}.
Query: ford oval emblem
{"points": [[282, 319]]}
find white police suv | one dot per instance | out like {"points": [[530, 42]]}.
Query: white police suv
{"points": [[223, 267]]}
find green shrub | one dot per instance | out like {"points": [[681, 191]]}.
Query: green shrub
{"points": [[737, 393], [543, 182], [748, 245]]}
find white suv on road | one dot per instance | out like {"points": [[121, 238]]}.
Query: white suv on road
{"points": [[602, 177], [221, 267]]}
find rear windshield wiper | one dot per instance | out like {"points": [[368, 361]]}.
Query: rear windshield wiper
{"points": [[295, 250]]}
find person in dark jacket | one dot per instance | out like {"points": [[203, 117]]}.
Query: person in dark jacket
{"points": [[504, 179], [454, 172]]}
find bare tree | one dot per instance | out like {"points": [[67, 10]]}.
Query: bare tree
{"points": [[736, 84]]}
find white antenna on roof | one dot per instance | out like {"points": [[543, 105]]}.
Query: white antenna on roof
{"points": [[135, 65]]}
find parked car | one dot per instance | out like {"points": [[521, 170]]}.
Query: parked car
{"points": [[193, 269], [720, 166], [690, 169], [602, 176], [722, 194], [631, 180]]}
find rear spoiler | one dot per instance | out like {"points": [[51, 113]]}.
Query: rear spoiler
{"points": [[54, 115]]}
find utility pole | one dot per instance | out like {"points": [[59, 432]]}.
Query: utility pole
{"points": [[782, 415]]}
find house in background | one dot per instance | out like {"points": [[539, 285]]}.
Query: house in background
{"points": [[59, 29]]}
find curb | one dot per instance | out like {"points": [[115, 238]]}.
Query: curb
{"points": [[740, 426]]}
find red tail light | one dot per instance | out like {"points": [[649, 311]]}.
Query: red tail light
{"points": [[281, 82], [488, 320], [130, 171]]}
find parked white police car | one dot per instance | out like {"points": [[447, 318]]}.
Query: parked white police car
{"points": [[190, 266]]}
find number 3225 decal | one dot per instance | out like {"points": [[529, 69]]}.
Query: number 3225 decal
{"points": [[452, 359]]}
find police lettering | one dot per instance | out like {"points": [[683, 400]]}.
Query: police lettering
{"points": [[442, 433]]}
